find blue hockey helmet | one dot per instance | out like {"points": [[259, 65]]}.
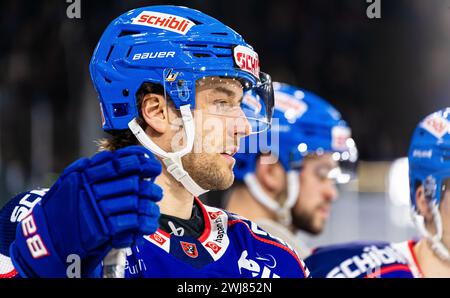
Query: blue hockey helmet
{"points": [[429, 166], [429, 156], [303, 124], [176, 48]]}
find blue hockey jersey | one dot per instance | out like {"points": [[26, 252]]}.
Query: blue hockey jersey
{"points": [[230, 246], [365, 260]]}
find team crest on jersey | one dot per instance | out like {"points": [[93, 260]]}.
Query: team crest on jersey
{"points": [[190, 249]]}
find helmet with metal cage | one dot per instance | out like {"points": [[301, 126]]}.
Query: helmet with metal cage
{"points": [[173, 47]]}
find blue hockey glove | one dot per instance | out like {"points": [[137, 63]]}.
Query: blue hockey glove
{"points": [[108, 201]]}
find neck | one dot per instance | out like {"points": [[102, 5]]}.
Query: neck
{"points": [[242, 202], [430, 263], [176, 201]]}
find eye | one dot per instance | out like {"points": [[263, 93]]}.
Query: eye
{"points": [[322, 172], [221, 103]]}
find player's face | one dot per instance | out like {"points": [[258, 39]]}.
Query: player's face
{"points": [[220, 123], [445, 210], [317, 192]]}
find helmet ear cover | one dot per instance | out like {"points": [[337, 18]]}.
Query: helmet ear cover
{"points": [[119, 138]]}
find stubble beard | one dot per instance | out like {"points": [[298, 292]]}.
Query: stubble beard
{"points": [[209, 170]]}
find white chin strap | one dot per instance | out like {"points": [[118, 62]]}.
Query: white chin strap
{"points": [[435, 240], [172, 160], [282, 211]]}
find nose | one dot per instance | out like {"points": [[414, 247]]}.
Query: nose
{"points": [[330, 192], [241, 126]]}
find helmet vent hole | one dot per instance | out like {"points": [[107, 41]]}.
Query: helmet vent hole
{"points": [[222, 47], [129, 51], [219, 33], [109, 53], [120, 109], [128, 32], [194, 21], [201, 55], [196, 45], [108, 80]]}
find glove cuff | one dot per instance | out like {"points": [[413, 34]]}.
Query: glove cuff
{"points": [[33, 253]]}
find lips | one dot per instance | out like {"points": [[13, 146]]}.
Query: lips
{"points": [[230, 151], [325, 211], [228, 155]]}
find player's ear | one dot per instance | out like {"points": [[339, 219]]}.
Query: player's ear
{"points": [[154, 112], [422, 205]]}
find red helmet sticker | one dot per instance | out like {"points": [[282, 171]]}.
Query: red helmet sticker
{"points": [[247, 60], [163, 21]]}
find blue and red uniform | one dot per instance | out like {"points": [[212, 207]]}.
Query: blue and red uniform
{"points": [[227, 246], [365, 260], [230, 246]]}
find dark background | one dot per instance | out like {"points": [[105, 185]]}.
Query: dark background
{"points": [[384, 75]]}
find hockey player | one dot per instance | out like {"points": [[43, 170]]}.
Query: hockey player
{"points": [[429, 178], [172, 80], [294, 187]]}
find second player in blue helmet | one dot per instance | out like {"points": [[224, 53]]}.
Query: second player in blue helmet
{"points": [[287, 175], [429, 177], [428, 256]]}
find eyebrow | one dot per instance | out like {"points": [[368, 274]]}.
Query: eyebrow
{"points": [[229, 93]]}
